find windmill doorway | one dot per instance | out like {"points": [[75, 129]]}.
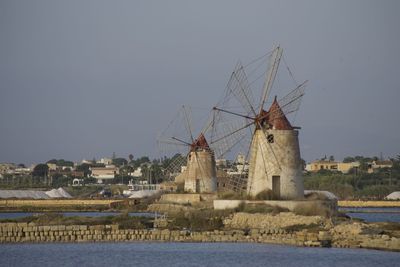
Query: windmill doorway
{"points": [[197, 185], [276, 186]]}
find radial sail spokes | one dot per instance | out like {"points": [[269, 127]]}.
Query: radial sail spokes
{"points": [[238, 86], [192, 165], [291, 102], [237, 117], [275, 59]]}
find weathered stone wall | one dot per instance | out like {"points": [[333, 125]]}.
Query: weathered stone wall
{"points": [[361, 235], [243, 220], [201, 167], [280, 158], [24, 232], [180, 198]]}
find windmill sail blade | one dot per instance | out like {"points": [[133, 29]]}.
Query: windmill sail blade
{"points": [[226, 135], [291, 102], [170, 142], [238, 85], [238, 182], [275, 59], [188, 121], [174, 166]]}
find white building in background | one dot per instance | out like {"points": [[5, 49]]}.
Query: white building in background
{"points": [[104, 173], [52, 166], [22, 171], [241, 159], [105, 161], [240, 169], [136, 173], [6, 167], [221, 163], [343, 167], [379, 164], [84, 161]]}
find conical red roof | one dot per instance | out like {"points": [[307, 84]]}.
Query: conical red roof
{"points": [[274, 118], [277, 119], [200, 142]]}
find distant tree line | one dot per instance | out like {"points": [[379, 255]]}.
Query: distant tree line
{"points": [[61, 162], [357, 184]]}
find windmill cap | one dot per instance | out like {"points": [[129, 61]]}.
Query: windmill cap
{"points": [[200, 142], [276, 118]]}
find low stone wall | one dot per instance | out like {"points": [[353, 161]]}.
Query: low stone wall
{"points": [[361, 235], [243, 220], [180, 198], [23, 232]]}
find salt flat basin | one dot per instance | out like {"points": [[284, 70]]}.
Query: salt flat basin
{"points": [[374, 214]]}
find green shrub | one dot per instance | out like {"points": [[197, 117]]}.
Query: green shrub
{"points": [[199, 220], [264, 195], [260, 208], [298, 227], [313, 209], [27, 208], [127, 222], [231, 195]]}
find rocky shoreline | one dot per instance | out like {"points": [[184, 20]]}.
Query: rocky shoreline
{"points": [[342, 236]]}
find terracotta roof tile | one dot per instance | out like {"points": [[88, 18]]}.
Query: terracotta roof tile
{"points": [[275, 118], [200, 142]]}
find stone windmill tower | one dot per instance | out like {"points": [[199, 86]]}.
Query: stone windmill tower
{"points": [[199, 174], [273, 152], [275, 162]]}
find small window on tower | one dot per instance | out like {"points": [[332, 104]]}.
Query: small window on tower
{"points": [[270, 138]]}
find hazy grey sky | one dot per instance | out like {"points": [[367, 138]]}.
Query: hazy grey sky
{"points": [[83, 79]]}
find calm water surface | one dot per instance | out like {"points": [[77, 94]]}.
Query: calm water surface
{"points": [[374, 214], [188, 254]]}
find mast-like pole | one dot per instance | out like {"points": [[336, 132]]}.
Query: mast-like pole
{"points": [[271, 74]]}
